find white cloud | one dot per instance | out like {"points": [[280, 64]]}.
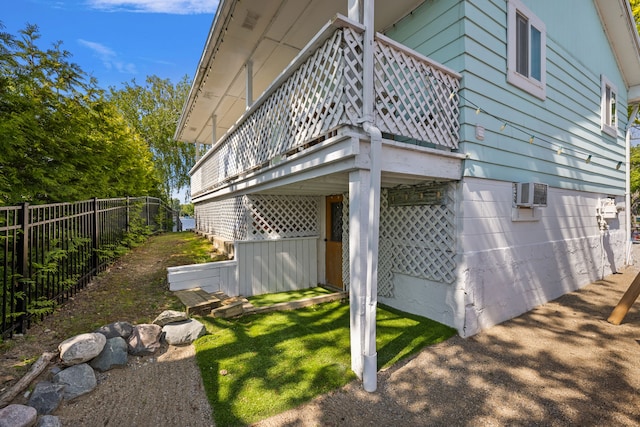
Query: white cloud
{"points": [[178, 7], [109, 58]]}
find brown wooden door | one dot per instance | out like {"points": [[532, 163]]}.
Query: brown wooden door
{"points": [[333, 257]]}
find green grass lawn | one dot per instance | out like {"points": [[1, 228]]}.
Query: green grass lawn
{"points": [[260, 365], [275, 298]]}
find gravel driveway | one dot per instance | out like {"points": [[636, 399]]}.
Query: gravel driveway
{"points": [[560, 364]]}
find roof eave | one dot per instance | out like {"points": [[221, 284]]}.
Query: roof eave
{"points": [[620, 28], [216, 32]]}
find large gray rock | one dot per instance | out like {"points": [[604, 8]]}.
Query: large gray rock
{"points": [[145, 339], [18, 416], [77, 379], [170, 316], [46, 397], [81, 348], [184, 332], [49, 421], [113, 354], [116, 329]]}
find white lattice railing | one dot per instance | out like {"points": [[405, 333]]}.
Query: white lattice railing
{"points": [[321, 91], [414, 95]]}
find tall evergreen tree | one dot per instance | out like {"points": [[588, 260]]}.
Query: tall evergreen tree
{"points": [[153, 110], [60, 140]]}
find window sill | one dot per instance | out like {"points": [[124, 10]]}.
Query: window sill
{"points": [[531, 86]]}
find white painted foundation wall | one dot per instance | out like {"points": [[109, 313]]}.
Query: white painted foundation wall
{"points": [[507, 267], [279, 265], [259, 267]]}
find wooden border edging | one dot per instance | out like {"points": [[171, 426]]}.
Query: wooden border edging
{"points": [[292, 305]]}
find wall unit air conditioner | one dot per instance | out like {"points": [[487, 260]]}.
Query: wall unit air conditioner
{"points": [[531, 194]]}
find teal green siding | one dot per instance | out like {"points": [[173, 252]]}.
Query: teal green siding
{"points": [[471, 38]]}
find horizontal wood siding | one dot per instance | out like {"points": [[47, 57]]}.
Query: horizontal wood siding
{"points": [[434, 29], [211, 277], [470, 37], [269, 266]]}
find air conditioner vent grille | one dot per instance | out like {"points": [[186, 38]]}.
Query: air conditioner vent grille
{"points": [[531, 194]]}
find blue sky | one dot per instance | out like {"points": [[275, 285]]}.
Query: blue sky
{"points": [[118, 40]]}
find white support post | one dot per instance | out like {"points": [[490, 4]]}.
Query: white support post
{"points": [[214, 125], [198, 155], [249, 70], [358, 218], [370, 369], [364, 219], [627, 196]]}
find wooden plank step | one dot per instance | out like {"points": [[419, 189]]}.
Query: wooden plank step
{"points": [[198, 301], [229, 310], [293, 305]]}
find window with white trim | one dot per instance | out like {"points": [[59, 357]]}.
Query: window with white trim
{"points": [[608, 107], [526, 50]]}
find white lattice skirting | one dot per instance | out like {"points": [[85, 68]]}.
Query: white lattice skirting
{"points": [[417, 241], [223, 218], [259, 217], [276, 217]]}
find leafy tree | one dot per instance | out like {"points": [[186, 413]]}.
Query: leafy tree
{"points": [[60, 139], [153, 110], [635, 8], [635, 151], [187, 209], [635, 179]]}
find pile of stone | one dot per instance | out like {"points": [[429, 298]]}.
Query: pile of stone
{"points": [[81, 356]]}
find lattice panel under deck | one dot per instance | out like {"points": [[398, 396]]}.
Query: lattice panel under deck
{"points": [[417, 241], [413, 98], [345, 241], [224, 218], [422, 238], [273, 217]]}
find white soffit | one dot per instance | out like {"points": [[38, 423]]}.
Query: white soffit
{"points": [[620, 27], [268, 32]]}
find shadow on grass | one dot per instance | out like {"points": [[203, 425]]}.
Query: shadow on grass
{"points": [[561, 364], [258, 366], [270, 299]]}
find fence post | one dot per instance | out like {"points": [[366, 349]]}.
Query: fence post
{"points": [[95, 243], [128, 219], [147, 202], [23, 268]]}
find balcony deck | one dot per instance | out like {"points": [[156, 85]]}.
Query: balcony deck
{"points": [[321, 91]]}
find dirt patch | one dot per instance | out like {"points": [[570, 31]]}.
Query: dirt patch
{"points": [[159, 390]]}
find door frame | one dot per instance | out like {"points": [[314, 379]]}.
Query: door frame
{"points": [[331, 246]]}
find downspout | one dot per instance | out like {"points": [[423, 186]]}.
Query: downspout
{"points": [[249, 83], [370, 362], [627, 195]]}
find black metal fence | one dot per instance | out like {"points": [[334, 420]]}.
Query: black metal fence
{"points": [[51, 251]]}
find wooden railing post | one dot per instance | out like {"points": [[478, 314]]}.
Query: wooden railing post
{"points": [[23, 269]]}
